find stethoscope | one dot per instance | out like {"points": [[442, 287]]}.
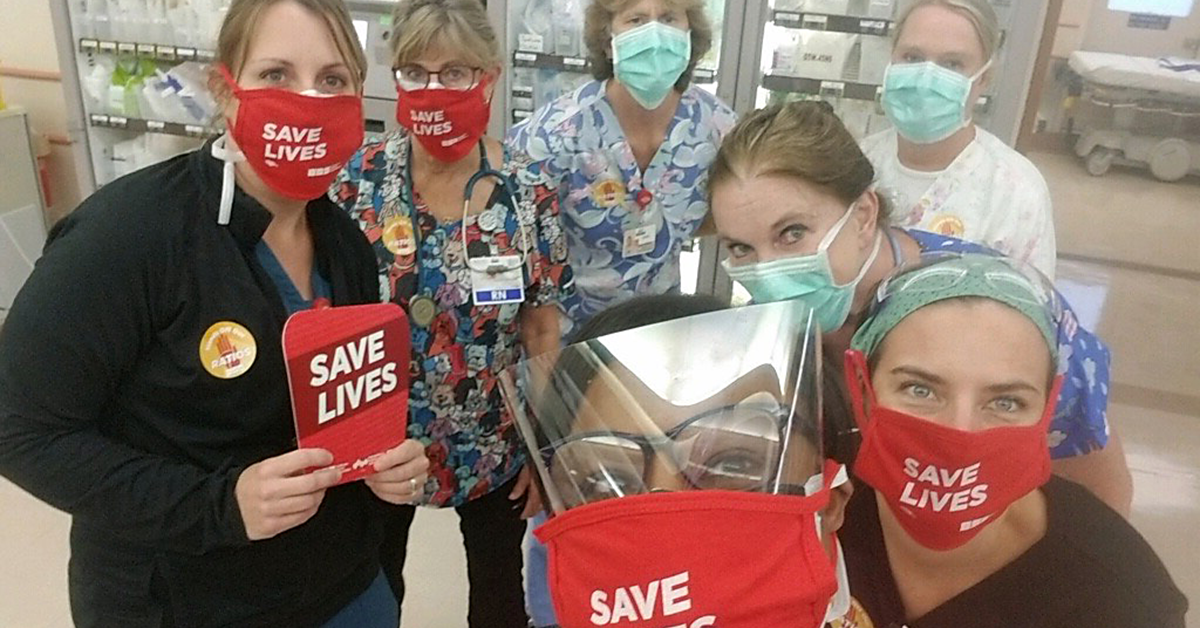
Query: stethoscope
{"points": [[422, 307], [493, 265]]}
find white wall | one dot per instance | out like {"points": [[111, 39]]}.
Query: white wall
{"points": [[28, 44], [1108, 31]]}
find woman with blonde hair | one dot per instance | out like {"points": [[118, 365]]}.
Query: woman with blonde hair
{"points": [[142, 379], [468, 242], [944, 173]]}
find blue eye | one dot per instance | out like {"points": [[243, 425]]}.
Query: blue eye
{"points": [[793, 234], [738, 251]]}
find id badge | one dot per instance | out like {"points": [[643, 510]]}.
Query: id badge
{"points": [[639, 240], [497, 280]]}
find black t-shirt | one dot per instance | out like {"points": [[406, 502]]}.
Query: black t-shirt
{"points": [[141, 370], [1091, 570]]}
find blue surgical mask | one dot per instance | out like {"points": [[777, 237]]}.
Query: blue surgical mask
{"points": [[649, 60], [926, 102], [808, 278]]}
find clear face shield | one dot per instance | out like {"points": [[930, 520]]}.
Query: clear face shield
{"points": [[727, 400]]}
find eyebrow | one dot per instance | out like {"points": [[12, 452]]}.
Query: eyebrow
{"points": [[1014, 386], [791, 217], [1002, 387], [286, 63], [913, 371]]}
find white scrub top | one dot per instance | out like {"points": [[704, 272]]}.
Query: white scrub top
{"points": [[991, 195]]}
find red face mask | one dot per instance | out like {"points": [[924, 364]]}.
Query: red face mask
{"points": [[692, 559], [942, 484], [296, 143], [447, 122]]}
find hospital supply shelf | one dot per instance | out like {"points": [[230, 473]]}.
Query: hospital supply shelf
{"points": [[140, 125], [157, 52], [545, 61], [851, 24], [822, 88], [838, 89]]}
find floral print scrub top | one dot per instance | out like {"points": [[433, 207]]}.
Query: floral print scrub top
{"points": [[990, 194], [578, 142], [455, 407]]}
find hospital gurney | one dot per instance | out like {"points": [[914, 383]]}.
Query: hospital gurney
{"points": [[1137, 113]]}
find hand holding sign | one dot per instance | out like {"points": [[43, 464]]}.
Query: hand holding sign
{"points": [[348, 374], [275, 495], [400, 474]]}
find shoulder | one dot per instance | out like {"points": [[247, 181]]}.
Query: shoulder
{"points": [[376, 156], [1007, 162], [130, 216], [709, 112], [930, 242], [566, 111], [1108, 555]]}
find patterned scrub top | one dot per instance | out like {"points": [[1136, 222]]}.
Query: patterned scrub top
{"points": [[455, 408], [990, 194], [1080, 423], [578, 142]]}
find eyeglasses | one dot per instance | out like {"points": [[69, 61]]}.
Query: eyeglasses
{"points": [[455, 77], [730, 448]]}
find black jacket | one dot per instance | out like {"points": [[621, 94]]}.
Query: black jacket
{"points": [[1090, 569], [107, 412]]}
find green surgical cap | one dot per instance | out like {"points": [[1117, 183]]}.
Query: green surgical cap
{"points": [[954, 277]]}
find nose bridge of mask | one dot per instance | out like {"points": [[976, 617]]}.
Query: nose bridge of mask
{"points": [[645, 37]]}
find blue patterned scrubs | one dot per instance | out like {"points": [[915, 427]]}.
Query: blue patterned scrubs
{"points": [[578, 142], [1080, 423]]}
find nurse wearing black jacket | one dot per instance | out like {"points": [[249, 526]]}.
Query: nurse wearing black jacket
{"points": [[142, 383]]}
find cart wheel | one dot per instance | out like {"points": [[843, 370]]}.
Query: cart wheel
{"points": [[1099, 161], [1170, 160]]}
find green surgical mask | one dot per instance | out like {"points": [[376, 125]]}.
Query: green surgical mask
{"points": [[926, 102], [649, 60], [806, 277]]}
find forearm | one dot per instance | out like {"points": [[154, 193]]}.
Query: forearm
{"points": [[540, 329], [1104, 472], [146, 499]]}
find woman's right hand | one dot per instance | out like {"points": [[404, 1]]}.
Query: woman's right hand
{"points": [[276, 495]]}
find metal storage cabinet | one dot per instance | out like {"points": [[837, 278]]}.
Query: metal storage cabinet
{"points": [[22, 208]]}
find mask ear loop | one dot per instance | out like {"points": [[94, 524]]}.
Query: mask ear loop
{"points": [[858, 380], [220, 150]]}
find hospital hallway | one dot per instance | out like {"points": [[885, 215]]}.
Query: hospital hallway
{"points": [[1129, 264]]}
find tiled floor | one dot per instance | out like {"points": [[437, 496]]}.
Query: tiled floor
{"points": [[1131, 267]]}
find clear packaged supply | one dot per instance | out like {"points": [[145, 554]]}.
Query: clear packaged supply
{"points": [[832, 7], [874, 59], [535, 29], [568, 28], [881, 9], [824, 55]]}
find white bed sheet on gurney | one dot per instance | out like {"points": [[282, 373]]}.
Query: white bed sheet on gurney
{"points": [[1124, 71]]}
